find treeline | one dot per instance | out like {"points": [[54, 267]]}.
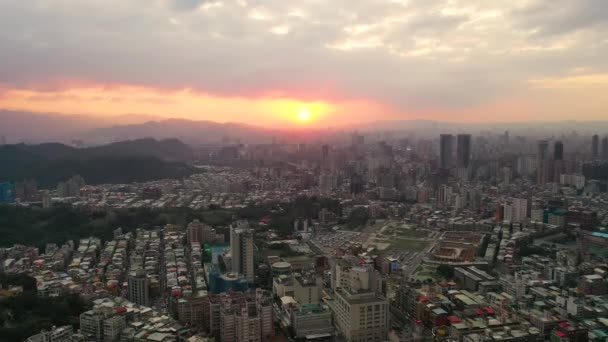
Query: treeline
{"points": [[38, 226], [100, 170], [26, 314]]}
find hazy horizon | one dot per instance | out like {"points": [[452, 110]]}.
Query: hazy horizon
{"points": [[306, 63]]}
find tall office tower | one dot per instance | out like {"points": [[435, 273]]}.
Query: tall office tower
{"points": [[463, 156], [241, 248], [463, 150], [446, 142], [325, 156], [595, 146], [605, 147], [138, 288], [558, 151], [543, 150]]}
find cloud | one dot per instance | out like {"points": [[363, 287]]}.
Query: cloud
{"points": [[186, 4], [551, 18], [412, 56]]}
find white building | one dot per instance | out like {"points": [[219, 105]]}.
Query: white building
{"points": [[517, 210], [241, 250], [361, 315], [138, 288]]}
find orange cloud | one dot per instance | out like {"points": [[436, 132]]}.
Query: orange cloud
{"points": [[115, 99]]}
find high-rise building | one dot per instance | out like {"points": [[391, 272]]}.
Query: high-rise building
{"points": [[91, 324], [605, 147], [240, 317], [446, 142], [558, 150], [516, 211], [191, 310], [444, 195], [361, 315], [595, 146], [543, 150], [7, 193], [544, 169], [138, 288], [463, 156], [201, 233], [27, 190], [241, 248], [194, 232], [325, 163], [71, 188], [113, 327], [463, 150]]}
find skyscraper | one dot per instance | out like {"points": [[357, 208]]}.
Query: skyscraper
{"points": [[595, 146], [558, 151], [325, 156], [543, 149], [138, 288], [463, 150], [446, 142], [463, 156], [605, 147], [241, 248]]}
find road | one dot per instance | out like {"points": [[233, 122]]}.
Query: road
{"points": [[420, 257]]}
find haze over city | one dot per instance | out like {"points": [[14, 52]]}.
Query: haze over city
{"points": [[303, 170], [314, 64]]}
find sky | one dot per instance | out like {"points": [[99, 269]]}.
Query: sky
{"points": [[321, 63]]}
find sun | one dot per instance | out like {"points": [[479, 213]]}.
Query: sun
{"points": [[303, 114]]}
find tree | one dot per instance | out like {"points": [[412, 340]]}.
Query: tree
{"points": [[357, 218], [446, 271]]}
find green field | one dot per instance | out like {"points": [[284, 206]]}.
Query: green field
{"points": [[408, 245], [411, 233]]}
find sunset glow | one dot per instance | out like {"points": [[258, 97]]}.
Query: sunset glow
{"points": [[471, 60], [303, 114], [109, 100]]}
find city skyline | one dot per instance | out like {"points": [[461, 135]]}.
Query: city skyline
{"points": [[307, 64]]}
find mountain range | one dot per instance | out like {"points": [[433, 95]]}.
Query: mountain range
{"points": [[30, 127], [121, 162]]}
